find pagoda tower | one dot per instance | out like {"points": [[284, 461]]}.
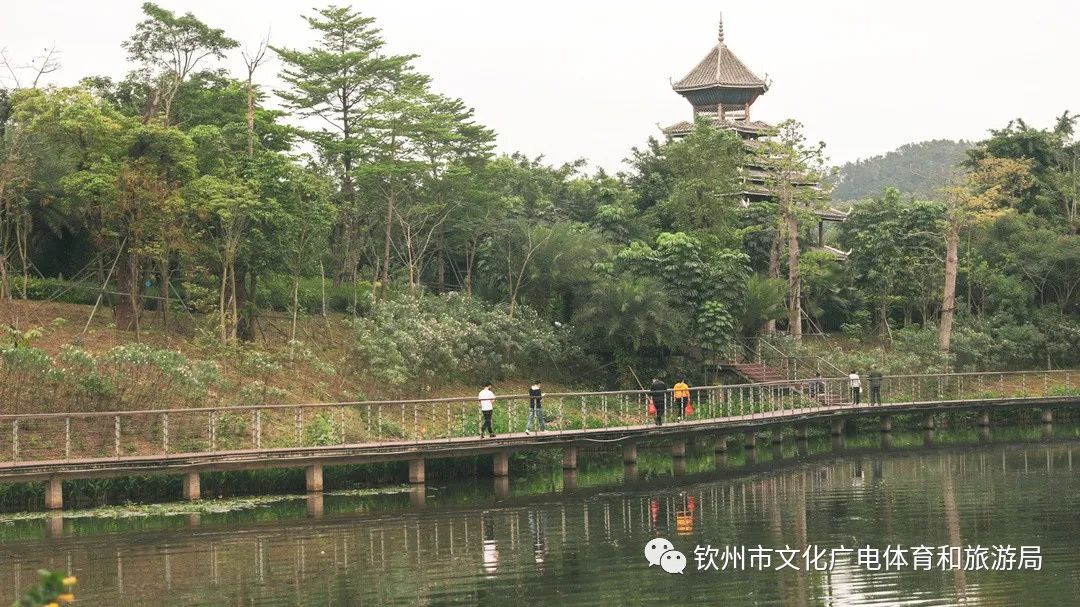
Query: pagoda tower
{"points": [[721, 88]]}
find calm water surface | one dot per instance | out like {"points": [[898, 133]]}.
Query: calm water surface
{"points": [[551, 538]]}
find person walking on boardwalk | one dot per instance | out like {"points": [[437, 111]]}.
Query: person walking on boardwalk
{"points": [[680, 392], [817, 386], [536, 410], [658, 393], [487, 407], [856, 386], [875, 386]]}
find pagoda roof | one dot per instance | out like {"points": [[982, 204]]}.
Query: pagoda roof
{"points": [[832, 214], [753, 127], [720, 69]]}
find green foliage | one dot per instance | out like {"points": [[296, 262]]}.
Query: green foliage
{"points": [[915, 169], [52, 587], [319, 431], [420, 344]]}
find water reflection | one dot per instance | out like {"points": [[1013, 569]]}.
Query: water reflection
{"points": [[522, 540]]}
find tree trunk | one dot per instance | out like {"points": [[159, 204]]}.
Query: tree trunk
{"points": [[386, 244], [440, 271], [250, 116], [5, 286], [249, 283], [235, 311], [948, 297], [221, 303], [774, 272], [295, 306], [794, 280], [126, 310], [165, 287]]}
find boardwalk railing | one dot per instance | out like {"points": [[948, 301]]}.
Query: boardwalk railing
{"points": [[152, 433]]}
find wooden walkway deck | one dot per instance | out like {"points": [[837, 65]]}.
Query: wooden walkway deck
{"points": [[771, 406]]}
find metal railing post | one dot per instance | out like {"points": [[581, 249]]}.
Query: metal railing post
{"points": [[165, 433], [116, 433]]}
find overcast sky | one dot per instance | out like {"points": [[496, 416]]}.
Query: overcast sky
{"points": [[570, 79]]}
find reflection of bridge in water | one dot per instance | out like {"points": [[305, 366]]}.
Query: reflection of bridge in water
{"points": [[55, 447], [514, 536]]}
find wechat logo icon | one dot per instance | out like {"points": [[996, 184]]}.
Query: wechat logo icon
{"points": [[661, 552]]}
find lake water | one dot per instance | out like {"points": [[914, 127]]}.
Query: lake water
{"points": [[550, 538]]}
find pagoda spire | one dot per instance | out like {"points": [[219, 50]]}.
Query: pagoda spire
{"points": [[720, 33]]}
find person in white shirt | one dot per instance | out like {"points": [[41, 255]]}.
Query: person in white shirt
{"points": [[856, 386], [487, 407]]}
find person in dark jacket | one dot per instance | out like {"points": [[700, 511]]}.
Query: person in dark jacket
{"points": [[536, 411], [658, 393], [875, 386]]}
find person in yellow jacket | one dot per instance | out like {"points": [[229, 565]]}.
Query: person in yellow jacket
{"points": [[680, 393]]}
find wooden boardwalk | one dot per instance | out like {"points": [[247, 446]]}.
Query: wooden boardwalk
{"points": [[746, 409]]}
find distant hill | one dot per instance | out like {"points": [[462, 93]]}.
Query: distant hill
{"points": [[916, 168]]}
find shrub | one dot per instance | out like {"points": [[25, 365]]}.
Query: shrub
{"points": [[424, 343]]}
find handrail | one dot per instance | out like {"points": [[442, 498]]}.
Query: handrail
{"points": [[509, 397]]}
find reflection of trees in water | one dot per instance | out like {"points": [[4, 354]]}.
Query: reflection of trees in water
{"points": [[406, 555]]}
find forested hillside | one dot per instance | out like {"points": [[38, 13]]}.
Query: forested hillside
{"points": [[917, 169]]}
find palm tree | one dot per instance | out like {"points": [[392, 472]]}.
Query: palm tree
{"points": [[765, 300], [629, 314]]}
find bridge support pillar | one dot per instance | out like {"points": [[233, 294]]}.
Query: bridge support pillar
{"points": [[502, 486], [928, 422], [886, 423], [313, 477], [801, 432], [569, 458], [750, 439], [678, 466], [777, 435], [984, 419], [678, 447], [629, 453], [1047, 416], [501, 463], [837, 427], [54, 525], [721, 444], [416, 471], [191, 486], [54, 493]]}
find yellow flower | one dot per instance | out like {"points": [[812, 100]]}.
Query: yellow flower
{"points": [[66, 598], [52, 605], [70, 580]]}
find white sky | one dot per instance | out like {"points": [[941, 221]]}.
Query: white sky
{"points": [[590, 79]]}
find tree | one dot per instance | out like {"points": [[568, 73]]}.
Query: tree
{"points": [[896, 246], [705, 182], [795, 173], [340, 81], [988, 190], [172, 47], [223, 207]]}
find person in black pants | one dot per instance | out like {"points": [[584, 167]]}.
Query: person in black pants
{"points": [[536, 410], [875, 386], [658, 393]]}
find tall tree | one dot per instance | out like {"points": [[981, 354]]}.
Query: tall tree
{"points": [[170, 48], [339, 81], [795, 172], [988, 190]]}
